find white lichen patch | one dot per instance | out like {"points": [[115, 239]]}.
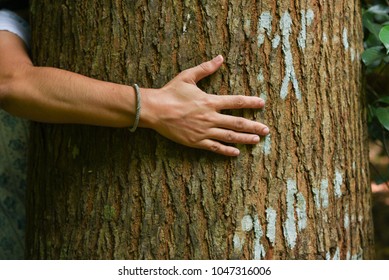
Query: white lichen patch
{"points": [[238, 243], [276, 41], [260, 76], [290, 232], [307, 18], [320, 196], [290, 75], [296, 215], [338, 181], [263, 95], [259, 250], [324, 37], [301, 210], [264, 27], [346, 220], [324, 193], [302, 38], [185, 26], [336, 255], [271, 218], [267, 145], [247, 223], [310, 15], [345, 39]]}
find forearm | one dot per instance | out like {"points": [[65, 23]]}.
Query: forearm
{"points": [[57, 96], [53, 95]]}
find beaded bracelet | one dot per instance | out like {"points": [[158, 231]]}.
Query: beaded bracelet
{"points": [[138, 108]]}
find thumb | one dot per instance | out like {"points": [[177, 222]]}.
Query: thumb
{"points": [[205, 69]]}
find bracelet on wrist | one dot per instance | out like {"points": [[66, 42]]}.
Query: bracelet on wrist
{"points": [[138, 108]]}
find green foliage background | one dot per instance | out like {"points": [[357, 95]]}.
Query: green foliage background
{"points": [[376, 60]]}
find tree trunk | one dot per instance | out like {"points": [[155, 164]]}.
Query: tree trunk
{"points": [[303, 193]]}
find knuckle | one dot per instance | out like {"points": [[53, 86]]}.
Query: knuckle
{"points": [[194, 137], [185, 74], [239, 124], [230, 136], [209, 101], [240, 102], [191, 140], [215, 147], [259, 129], [205, 67]]}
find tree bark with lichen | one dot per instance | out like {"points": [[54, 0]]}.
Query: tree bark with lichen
{"points": [[303, 193]]}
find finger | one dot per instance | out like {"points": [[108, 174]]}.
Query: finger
{"points": [[218, 148], [199, 72], [222, 102], [241, 124], [230, 136]]}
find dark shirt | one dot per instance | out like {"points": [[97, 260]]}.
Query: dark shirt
{"points": [[14, 5]]}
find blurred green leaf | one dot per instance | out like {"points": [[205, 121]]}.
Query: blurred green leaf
{"points": [[368, 22], [376, 57], [384, 99], [372, 41], [384, 36], [371, 113], [373, 56], [379, 10], [382, 113]]}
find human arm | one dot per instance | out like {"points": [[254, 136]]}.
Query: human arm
{"points": [[53, 95], [179, 111]]}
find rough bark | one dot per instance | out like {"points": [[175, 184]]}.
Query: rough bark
{"points": [[303, 193]]}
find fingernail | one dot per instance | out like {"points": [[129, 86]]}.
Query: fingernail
{"points": [[236, 152], [256, 139], [265, 130], [219, 58], [262, 102]]}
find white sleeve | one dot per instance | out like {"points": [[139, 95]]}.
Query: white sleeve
{"points": [[11, 22]]}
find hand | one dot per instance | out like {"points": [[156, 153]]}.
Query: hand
{"points": [[185, 114]]}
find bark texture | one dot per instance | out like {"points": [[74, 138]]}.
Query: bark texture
{"points": [[303, 193]]}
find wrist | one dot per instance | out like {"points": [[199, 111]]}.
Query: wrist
{"points": [[138, 108], [148, 116]]}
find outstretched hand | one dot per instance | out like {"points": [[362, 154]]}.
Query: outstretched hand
{"points": [[185, 114]]}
